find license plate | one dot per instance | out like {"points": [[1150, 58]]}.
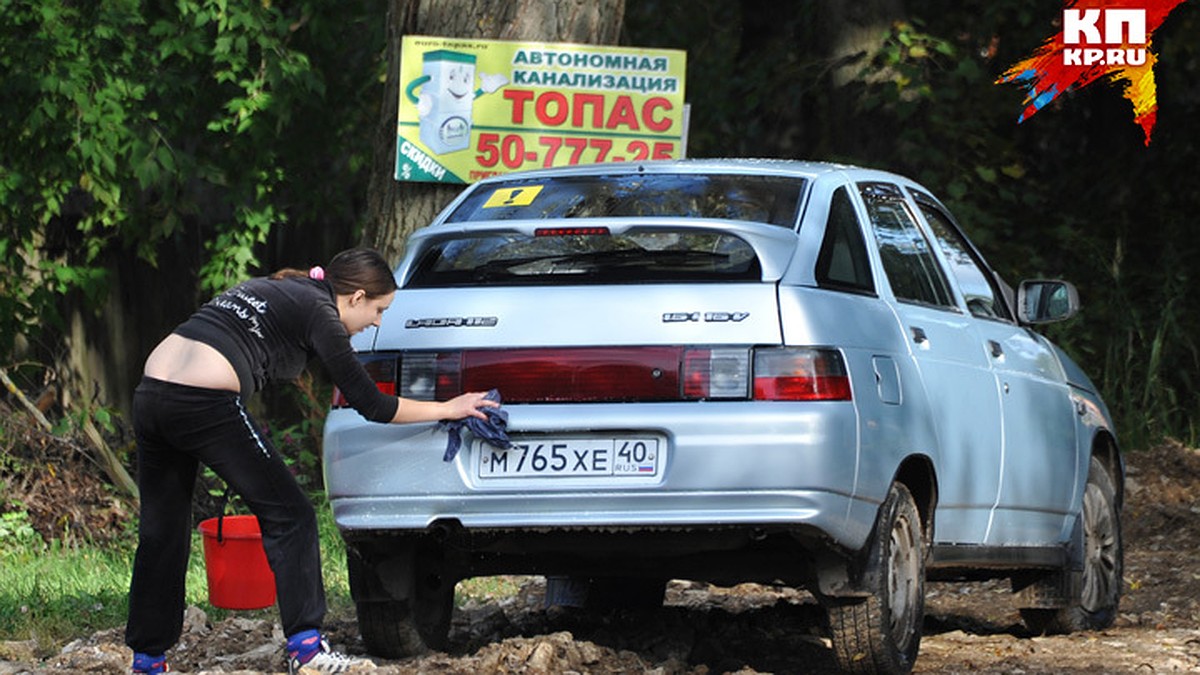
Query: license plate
{"points": [[618, 457]]}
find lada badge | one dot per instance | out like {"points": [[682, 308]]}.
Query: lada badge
{"points": [[453, 322], [707, 317]]}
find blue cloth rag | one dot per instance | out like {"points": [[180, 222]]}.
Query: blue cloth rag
{"points": [[493, 430]]}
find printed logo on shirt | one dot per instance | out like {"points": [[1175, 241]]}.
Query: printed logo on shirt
{"points": [[244, 306]]}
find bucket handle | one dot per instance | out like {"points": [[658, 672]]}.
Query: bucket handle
{"points": [[221, 514]]}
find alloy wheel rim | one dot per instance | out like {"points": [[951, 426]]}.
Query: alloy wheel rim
{"points": [[1100, 553]]}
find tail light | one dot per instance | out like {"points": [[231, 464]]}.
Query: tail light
{"points": [[549, 374], [664, 373], [790, 374], [431, 376], [381, 368], [716, 373]]}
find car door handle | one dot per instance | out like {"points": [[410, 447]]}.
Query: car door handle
{"points": [[995, 348], [918, 335]]}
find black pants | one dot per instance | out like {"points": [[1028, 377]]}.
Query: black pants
{"points": [[177, 427]]}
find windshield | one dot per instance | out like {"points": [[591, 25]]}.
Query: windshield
{"points": [[762, 199], [563, 257]]}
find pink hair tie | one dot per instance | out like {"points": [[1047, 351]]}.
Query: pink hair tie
{"points": [[317, 273]]}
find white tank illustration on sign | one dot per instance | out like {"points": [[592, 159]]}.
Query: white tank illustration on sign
{"points": [[445, 103]]}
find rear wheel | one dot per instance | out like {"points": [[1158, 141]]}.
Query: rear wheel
{"points": [[389, 629], [1094, 605], [882, 632], [412, 615]]}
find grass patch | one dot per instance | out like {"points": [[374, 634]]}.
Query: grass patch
{"points": [[487, 589], [54, 594]]}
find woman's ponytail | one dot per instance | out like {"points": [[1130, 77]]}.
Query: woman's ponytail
{"points": [[349, 271]]}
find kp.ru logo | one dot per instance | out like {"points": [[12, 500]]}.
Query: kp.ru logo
{"points": [[1106, 40], [1082, 27]]}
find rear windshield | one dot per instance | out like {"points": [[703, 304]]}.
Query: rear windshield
{"points": [[762, 199], [561, 258]]}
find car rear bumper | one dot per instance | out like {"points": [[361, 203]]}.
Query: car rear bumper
{"points": [[724, 464]]}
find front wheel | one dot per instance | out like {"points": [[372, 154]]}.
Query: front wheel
{"points": [[1099, 587], [881, 634]]}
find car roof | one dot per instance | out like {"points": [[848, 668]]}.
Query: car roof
{"points": [[777, 167], [813, 171]]}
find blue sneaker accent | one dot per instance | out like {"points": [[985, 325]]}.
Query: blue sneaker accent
{"points": [[304, 645], [150, 664]]}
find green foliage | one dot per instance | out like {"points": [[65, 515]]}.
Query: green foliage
{"points": [[139, 126], [914, 86], [17, 533], [127, 124], [73, 421], [297, 423]]}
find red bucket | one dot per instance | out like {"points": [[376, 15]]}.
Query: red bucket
{"points": [[238, 574]]}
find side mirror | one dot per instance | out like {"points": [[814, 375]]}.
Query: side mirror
{"points": [[1044, 301]]}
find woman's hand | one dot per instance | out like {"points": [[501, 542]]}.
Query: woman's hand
{"points": [[468, 405], [464, 405]]}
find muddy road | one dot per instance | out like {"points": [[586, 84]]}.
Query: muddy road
{"points": [[701, 629]]}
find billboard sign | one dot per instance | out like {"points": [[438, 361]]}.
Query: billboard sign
{"points": [[475, 108]]}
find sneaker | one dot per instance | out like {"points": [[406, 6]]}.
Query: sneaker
{"points": [[328, 661], [145, 664]]}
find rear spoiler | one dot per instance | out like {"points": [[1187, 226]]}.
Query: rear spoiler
{"points": [[773, 245]]}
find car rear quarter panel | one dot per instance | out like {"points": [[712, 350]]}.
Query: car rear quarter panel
{"points": [[891, 427]]}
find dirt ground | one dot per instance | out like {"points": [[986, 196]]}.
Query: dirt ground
{"points": [[704, 630]]}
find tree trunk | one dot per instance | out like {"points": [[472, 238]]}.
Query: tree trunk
{"points": [[395, 209], [855, 33]]}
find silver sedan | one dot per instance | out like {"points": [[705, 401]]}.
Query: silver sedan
{"points": [[726, 370]]}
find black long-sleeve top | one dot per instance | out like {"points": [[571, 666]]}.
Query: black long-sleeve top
{"points": [[269, 329]]}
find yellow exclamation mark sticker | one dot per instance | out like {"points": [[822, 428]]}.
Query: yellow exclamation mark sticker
{"points": [[522, 196]]}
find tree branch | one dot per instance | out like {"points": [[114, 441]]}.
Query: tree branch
{"points": [[109, 460]]}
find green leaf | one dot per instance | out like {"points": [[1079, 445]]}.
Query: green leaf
{"points": [[987, 173]]}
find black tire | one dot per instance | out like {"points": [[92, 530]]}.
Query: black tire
{"points": [[1099, 589], [395, 628], [388, 629], [881, 634]]}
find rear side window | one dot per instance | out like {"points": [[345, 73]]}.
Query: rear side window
{"points": [[843, 263], [979, 288], [908, 261], [774, 200], [561, 256]]}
